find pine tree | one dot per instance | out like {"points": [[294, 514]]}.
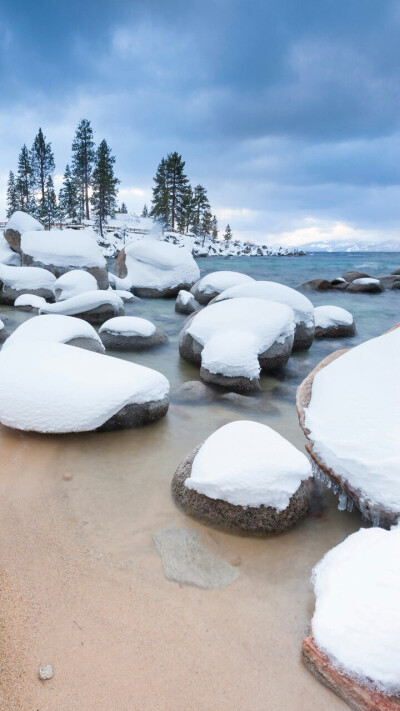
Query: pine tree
{"points": [[145, 212], [214, 229], [169, 191], [206, 223], [50, 211], [42, 163], [124, 209], [68, 197], [201, 205], [12, 195], [104, 184], [24, 181], [83, 157], [228, 234], [185, 215]]}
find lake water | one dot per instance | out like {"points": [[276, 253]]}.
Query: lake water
{"points": [[82, 584]]}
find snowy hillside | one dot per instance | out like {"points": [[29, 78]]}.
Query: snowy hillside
{"points": [[351, 246]]}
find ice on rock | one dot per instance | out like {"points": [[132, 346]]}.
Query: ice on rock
{"points": [[248, 464], [57, 388], [356, 620]]}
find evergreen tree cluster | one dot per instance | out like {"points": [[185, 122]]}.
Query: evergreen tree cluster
{"points": [[176, 204], [89, 180]]}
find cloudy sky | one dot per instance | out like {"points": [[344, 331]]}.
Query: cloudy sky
{"points": [[286, 110]]}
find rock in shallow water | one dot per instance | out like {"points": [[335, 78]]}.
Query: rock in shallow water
{"points": [[187, 562]]}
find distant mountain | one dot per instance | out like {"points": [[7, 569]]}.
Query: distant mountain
{"points": [[351, 246]]}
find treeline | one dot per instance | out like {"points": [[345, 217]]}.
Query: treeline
{"points": [[89, 180]]}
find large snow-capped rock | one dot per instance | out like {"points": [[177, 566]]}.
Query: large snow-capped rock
{"points": [[30, 303], [131, 333], [53, 328], [349, 408], [93, 306], [53, 387], [19, 223], [7, 255], [63, 250], [302, 307], [211, 285], [154, 268], [333, 322], [73, 283], [247, 476], [354, 642], [15, 281], [233, 340]]}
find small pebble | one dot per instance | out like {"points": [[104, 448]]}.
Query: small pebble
{"points": [[46, 672], [67, 477], [236, 561]]}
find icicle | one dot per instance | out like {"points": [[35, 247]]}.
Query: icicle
{"points": [[342, 503]]}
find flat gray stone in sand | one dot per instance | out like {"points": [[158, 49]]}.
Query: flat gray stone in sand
{"points": [[187, 562]]}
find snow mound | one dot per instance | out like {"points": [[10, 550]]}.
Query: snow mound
{"points": [[7, 255], [19, 278], [60, 388], [63, 248], [158, 266], [29, 300], [22, 222], [129, 326], [85, 302], [248, 464], [366, 280], [354, 419], [73, 283], [185, 297], [52, 329], [356, 620], [302, 307], [326, 316], [212, 284], [125, 295]]}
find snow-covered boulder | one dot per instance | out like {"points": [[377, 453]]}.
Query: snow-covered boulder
{"points": [[353, 274], [209, 286], [73, 283], [233, 340], [93, 306], [19, 223], [273, 291], [353, 645], [7, 255], [3, 332], [53, 387], [365, 286], [186, 303], [15, 281], [53, 328], [126, 295], [246, 476], [130, 333], [30, 303], [333, 322], [153, 268], [349, 408], [61, 251]]}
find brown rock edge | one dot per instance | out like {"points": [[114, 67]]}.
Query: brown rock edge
{"points": [[370, 512], [253, 519], [358, 696]]}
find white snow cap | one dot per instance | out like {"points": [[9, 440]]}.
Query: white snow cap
{"points": [[84, 302], [235, 332], [52, 328], [129, 326], [26, 277], [22, 222], [158, 265], [354, 418], [366, 280], [125, 295], [273, 291], [7, 255], [30, 300], [185, 296], [73, 283], [219, 281], [356, 620], [64, 248], [1, 324], [54, 387], [326, 316], [248, 464]]}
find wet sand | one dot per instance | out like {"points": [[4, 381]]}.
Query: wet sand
{"points": [[83, 588]]}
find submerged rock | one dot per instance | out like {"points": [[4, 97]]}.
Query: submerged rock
{"points": [[317, 285]]}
